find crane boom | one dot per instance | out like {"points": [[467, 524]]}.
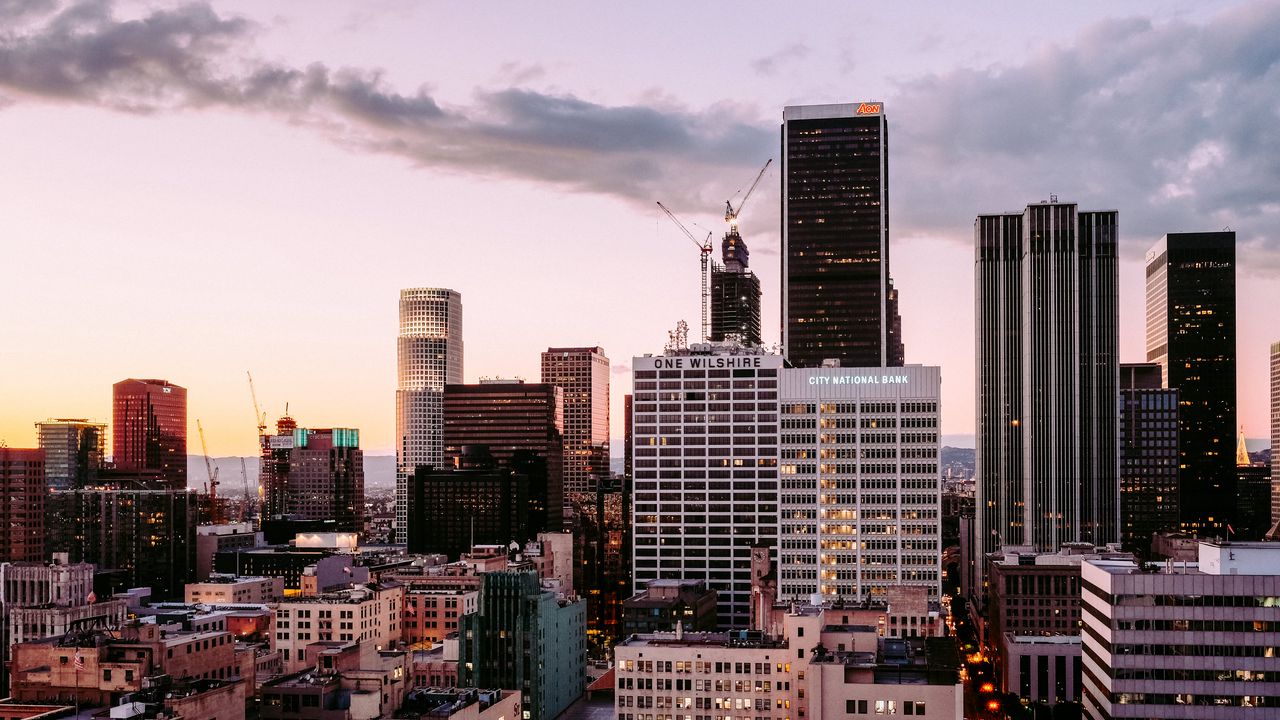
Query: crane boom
{"points": [[213, 476], [704, 248], [731, 214]]}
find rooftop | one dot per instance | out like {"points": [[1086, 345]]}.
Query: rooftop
{"points": [[736, 638], [443, 702]]}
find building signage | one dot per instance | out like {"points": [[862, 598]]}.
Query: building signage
{"points": [[869, 108], [859, 380], [720, 361], [280, 442]]}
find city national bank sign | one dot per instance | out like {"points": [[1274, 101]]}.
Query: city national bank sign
{"points": [[859, 380]]}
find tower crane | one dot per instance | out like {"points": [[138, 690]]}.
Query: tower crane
{"points": [[730, 212], [214, 513], [704, 248]]}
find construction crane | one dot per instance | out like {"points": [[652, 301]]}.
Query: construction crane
{"points": [[244, 476], [258, 415], [731, 213], [704, 248], [214, 513]]}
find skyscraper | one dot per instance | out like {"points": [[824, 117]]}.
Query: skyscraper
{"points": [[1148, 456], [735, 293], [326, 477], [149, 429], [1047, 456], [582, 374], [74, 449], [1275, 433], [1191, 333], [522, 425], [837, 295], [22, 486], [705, 441], [861, 495], [428, 357]]}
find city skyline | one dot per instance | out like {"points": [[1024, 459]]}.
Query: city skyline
{"points": [[340, 226]]}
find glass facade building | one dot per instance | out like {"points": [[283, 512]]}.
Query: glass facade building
{"points": [[428, 357], [582, 374], [1148, 456], [22, 514], [149, 429], [1047, 455], [735, 294], [1191, 333], [522, 425], [74, 449], [837, 298]]}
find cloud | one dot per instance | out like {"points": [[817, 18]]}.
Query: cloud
{"points": [[516, 73], [191, 57], [1175, 124], [620, 368], [769, 64]]}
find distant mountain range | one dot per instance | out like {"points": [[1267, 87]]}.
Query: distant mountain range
{"points": [[379, 473]]}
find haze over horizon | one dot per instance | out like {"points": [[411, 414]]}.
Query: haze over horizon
{"points": [[204, 189]]}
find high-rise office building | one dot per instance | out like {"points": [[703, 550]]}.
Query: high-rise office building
{"points": [[735, 293], [275, 469], [1047, 372], [1191, 333], [149, 429], [476, 503], [22, 513], [428, 357], [1275, 433], [838, 300], [137, 538], [326, 477], [582, 374], [521, 424], [1148, 456], [706, 478], [861, 495], [74, 449]]}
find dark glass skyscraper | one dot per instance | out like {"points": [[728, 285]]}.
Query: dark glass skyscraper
{"points": [[521, 424], [22, 513], [582, 374], [837, 298], [1148, 456], [1047, 456], [1191, 333], [149, 429]]}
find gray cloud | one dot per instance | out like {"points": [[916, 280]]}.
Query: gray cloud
{"points": [[769, 64], [1174, 124]]}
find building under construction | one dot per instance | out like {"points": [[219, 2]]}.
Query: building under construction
{"points": [[735, 294]]}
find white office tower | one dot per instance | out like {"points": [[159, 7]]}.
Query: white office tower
{"points": [[861, 489], [428, 357], [1183, 640], [705, 465]]}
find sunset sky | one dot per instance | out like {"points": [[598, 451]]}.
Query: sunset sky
{"points": [[191, 191]]}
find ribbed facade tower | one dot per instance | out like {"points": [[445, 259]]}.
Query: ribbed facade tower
{"points": [[428, 357], [1047, 374]]}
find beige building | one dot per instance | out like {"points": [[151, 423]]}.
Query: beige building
{"points": [[230, 589], [364, 613], [823, 663]]}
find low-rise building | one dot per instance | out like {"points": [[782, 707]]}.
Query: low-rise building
{"points": [[367, 613], [430, 615], [437, 667], [347, 681], [663, 603], [1041, 668], [822, 664], [213, 539], [441, 703], [97, 668], [1183, 640], [232, 589]]}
